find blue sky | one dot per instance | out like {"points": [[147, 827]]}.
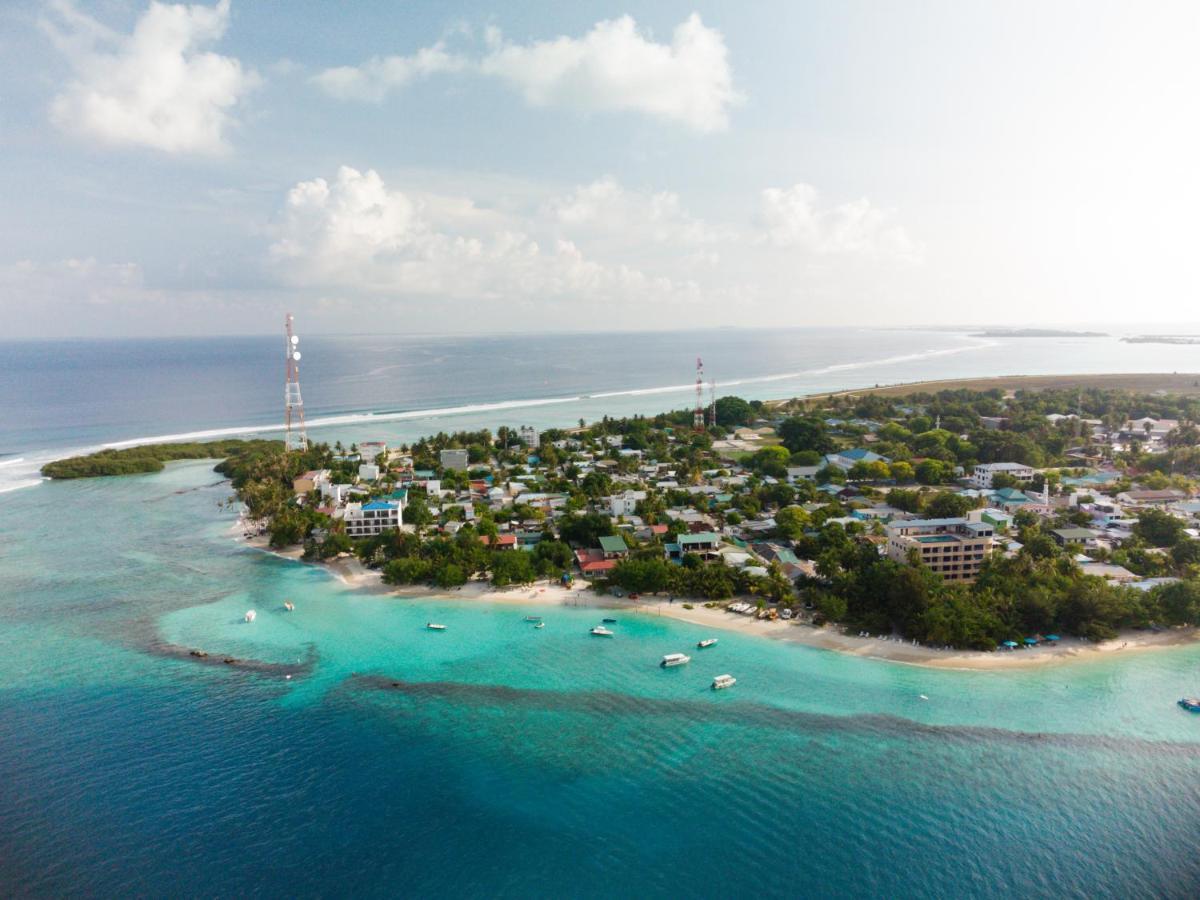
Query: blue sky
{"points": [[463, 167]]}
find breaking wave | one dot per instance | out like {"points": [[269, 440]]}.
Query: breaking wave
{"points": [[24, 472]]}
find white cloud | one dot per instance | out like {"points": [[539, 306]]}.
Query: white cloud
{"points": [[793, 218], [605, 207], [613, 67], [69, 281], [378, 77], [356, 234], [153, 88]]}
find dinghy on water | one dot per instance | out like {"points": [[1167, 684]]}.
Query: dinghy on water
{"points": [[251, 615], [434, 626], [289, 605]]}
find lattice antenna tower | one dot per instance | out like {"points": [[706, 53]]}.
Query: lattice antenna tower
{"points": [[295, 436], [698, 415], [712, 403]]}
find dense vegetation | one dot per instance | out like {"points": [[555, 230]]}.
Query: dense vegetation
{"points": [[147, 458], [929, 440]]}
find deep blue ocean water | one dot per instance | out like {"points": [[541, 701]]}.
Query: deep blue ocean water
{"points": [[493, 759]]}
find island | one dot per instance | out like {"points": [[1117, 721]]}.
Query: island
{"points": [[148, 458], [949, 520], [1035, 333], [1182, 339]]}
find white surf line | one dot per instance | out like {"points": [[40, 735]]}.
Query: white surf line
{"points": [[34, 465]]}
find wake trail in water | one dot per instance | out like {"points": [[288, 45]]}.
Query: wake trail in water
{"points": [[25, 471]]}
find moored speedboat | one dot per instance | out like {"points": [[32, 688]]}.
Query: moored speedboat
{"points": [[434, 626], [533, 618], [609, 621], [540, 625], [289, 605], [251, 615], [601, 631], [1191, 704], [675, 659], [723, 681], [707, 642]]}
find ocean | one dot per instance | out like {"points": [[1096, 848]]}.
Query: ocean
{"points": [[493, 759]]}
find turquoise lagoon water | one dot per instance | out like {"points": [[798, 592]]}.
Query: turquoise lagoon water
{"points": [[494, 759]]}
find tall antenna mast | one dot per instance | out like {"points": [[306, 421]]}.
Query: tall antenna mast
{"points": [[698, 416], [712, 403], [293, 406]]}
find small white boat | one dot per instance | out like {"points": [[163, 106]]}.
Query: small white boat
{"points": [[675, 659], [601, 631], [707, 642], [923, 697], [251, 615], [540, 625], [289, 605], [434, 626], [533, 618], [723, 681]]}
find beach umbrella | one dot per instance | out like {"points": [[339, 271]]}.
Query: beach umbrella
{"points": [[1031, 641], [1010, 643], [1052, 637]]}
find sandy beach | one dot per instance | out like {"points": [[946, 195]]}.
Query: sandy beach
{"points": [[354, 574]]}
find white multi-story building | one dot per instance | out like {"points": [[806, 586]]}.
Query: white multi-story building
{"points": [[983, 473], [625, 504], [370, 519], [368, 472], [530, 437]]}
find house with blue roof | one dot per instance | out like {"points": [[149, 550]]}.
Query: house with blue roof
{"points": [[373, 518]]}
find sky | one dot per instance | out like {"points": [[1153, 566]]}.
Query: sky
{"points": [[188, 169]]}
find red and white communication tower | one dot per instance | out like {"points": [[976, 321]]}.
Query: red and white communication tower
{"points": [[698, 416], [293, 407]]}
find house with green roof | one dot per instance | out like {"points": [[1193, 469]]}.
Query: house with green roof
{"points": [[613, 546]]}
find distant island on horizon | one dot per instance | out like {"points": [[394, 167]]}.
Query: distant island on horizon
{"points": [[1036, 332], [1163, 339]]}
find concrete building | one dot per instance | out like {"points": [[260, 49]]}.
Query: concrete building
{"points": [[454, 459], [954, 548], [983, 474], [530, 437], [1085, 536], [370, 519], [625, 504], [370, 450], [368, 472], [310, 481]]}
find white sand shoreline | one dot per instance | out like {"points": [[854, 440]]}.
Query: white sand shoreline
{"points": [[355, 575]]}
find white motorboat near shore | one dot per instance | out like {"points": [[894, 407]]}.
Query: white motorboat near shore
{"points": [[601, 631], [723, 681], [251, 615], [434, 626], [675, 659], [707, 642]]}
